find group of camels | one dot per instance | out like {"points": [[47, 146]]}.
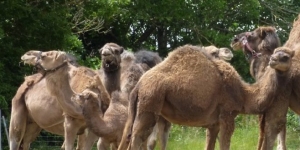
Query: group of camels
{"points": [[134, 97]]}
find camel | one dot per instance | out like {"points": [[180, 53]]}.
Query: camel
{"points": [[174, 90], [128, 69], [56, 69], [32, 102], [279, 108]]}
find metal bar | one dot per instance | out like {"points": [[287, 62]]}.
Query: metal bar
{"points": [[5, 128]]}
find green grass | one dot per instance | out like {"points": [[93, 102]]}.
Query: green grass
{"points": [[245, 136]]}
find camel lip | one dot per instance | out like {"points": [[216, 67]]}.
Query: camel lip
{"points": [[272, 62], [227, 58]]}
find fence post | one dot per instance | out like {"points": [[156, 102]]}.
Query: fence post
{"points": [[5, 128]]}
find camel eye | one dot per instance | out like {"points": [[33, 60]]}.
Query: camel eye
{"points": [[284, 58]]}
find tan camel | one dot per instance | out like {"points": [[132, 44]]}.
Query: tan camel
{"points": [[263, 44], [33, 102], [56, 71], [174, 90]]}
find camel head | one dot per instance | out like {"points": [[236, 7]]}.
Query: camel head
{"points": [[225, 54], [211, 51], [30, 57], [88, 99], [49, 60], [111, 56], [261, 40], [281, 59], [222, 53]]}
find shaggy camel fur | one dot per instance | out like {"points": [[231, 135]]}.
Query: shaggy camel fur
{"points": [[128, 71], [268, 133], [32, 102], [192, 104], [56, 71]]}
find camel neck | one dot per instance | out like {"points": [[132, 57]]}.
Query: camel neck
{"points": [[258, 66], [112, 81], [59, 86], [260, 95]]}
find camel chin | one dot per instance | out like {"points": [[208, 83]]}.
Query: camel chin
{"points": [[226, 58]]}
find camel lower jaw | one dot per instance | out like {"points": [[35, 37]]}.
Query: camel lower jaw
{"points": [[236, 46], [227, 58], [29, 62]]}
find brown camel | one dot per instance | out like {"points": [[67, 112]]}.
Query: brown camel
{"points": [[262, 40], [280, 107], [33, 102], [56, 69], [128, 68], [174, 90]]}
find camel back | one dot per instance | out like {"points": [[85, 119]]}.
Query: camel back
{"points": [[294, 36], [82, 78], [29, 82]]}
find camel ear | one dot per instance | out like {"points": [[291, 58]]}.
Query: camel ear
{"points": [[121, 50], [292, 53], [263, 34], [100, 51]]}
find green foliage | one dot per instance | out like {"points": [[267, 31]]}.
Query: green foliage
{"points": [[245, 136]]}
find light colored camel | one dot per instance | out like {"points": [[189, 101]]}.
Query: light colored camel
{"points": [[32, 102], [265, 45], [56, 71], [174, 89]]}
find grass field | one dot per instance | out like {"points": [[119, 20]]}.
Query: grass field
{"points": [[245, 137]]}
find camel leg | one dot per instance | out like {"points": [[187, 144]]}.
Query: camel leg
{"points": [[161, 129], [17, 126], [103, 144], [226, 129], [86, 140], [152, 138], [70, 134], [142, 128], [211, 136], [32, 131], [281, 139], [262, 131], [164, 127], [275, 122]]}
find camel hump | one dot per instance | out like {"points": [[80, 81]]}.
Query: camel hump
{"points": [[147, 57], [82, 77]]}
